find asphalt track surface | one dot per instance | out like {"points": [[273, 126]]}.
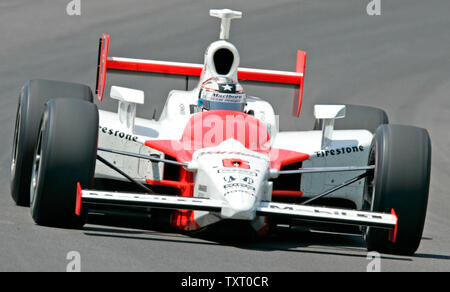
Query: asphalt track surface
{"points": [[399, 61]]}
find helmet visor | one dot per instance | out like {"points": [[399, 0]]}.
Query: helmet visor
{"points": [[220, 105], [214, 100]]}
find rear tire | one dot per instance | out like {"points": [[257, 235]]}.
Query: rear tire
{"points": [[65, 154], [402, 155], [358, 117], [33, 97]]}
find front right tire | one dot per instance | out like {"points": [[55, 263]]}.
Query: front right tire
{"points": [[65, 154]]}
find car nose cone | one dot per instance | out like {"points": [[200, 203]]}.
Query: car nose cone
{"points": [[239, 205]]}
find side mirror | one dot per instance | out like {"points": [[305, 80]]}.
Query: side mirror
{"points": [[328, 113], [128, 98]]}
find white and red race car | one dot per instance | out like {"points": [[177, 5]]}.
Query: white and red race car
{"points": [[225, 162]]}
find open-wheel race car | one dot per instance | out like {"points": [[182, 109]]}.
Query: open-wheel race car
{"points": [[216, 154]]}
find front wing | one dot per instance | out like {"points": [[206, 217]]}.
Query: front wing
{"points": [[92, 199]]}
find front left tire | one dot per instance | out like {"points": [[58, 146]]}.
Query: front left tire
{"points": [[401, 180]]}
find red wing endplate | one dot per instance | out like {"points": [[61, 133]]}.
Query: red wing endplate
{"points": [[102, 66]]}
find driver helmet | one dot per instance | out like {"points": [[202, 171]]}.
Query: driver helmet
{"points": [[221, 93]]}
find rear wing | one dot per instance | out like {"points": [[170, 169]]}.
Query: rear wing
{"points": [[107, 63]]}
